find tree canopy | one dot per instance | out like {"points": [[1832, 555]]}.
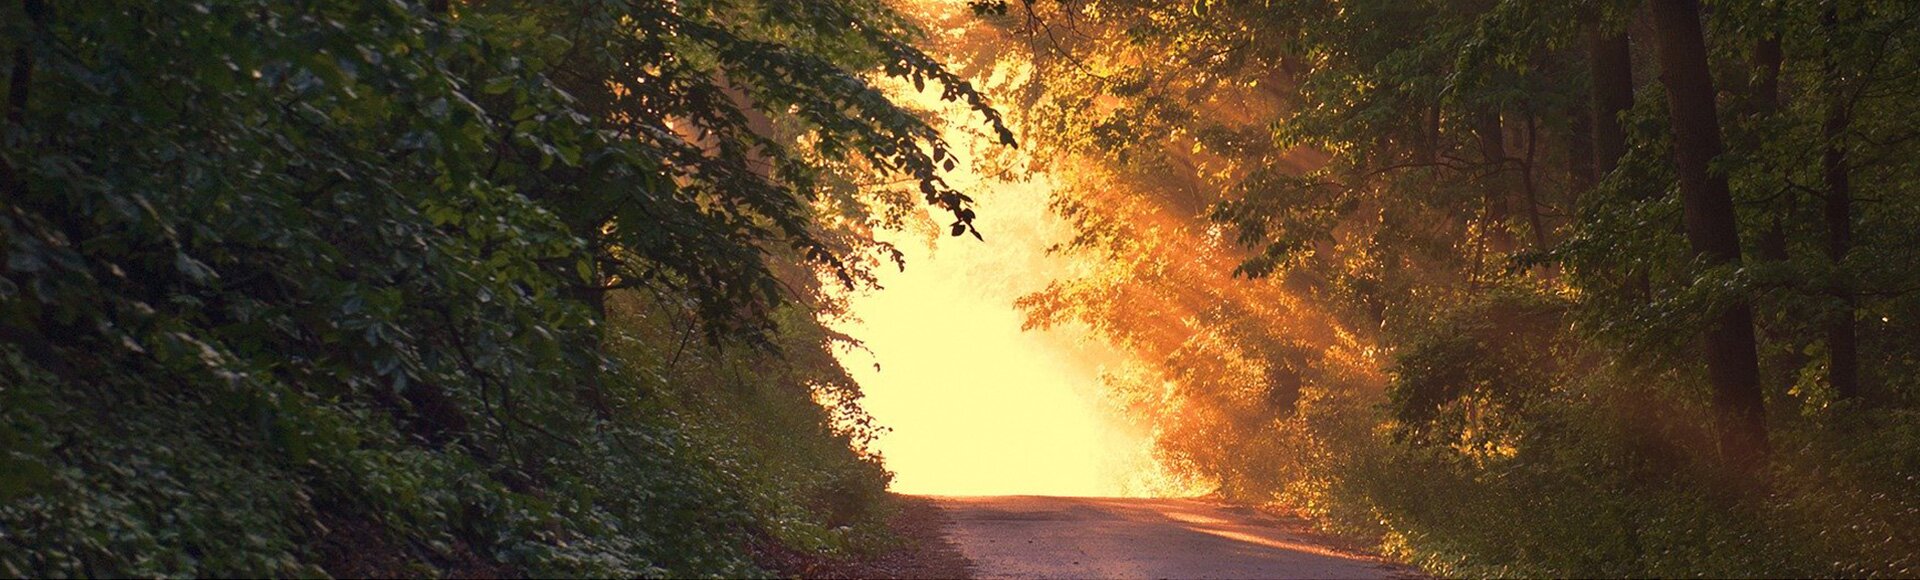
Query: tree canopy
{"points": [[1497, 260], [475, 287], [349, 263]]}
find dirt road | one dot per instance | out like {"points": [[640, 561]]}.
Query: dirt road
{"points": [[1062, 537]]}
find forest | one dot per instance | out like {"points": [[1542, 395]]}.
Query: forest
{"points": [[1495, 288]]}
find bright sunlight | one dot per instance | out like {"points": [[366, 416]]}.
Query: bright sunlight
{"points": [[974, 404]]}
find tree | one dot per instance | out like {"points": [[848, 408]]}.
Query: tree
{"points": [[1610, 62], [343, 259], [1733, 367], [1843, 370], [1355, 149]]}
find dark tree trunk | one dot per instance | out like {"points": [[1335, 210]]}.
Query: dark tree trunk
{"points": [[1493, 152], [1529, 188], [1612, 71], [1610, 65], [1765, 101], [1843, 370], [1732, 365], [19, 83], [1762, 102], [19, 78], [1580, 156], [1766, 86]]}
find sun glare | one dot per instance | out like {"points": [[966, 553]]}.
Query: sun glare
{"points": [[975, 405]]}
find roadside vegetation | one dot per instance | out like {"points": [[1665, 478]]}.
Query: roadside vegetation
{"points": [[487, 288], [1600, 288], [442, 288]]}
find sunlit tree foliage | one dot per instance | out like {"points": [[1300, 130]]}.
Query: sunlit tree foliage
{"points": [[1495, 264]]}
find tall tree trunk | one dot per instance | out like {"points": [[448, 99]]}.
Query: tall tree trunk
{"points": [[1493, 152], [1610, 68], [1767, 57], [1529, 188], [1843, 370], [1762, 103], [1580, 155], [1612, 75], [1765, 101], [19, 83], [1842, 344], [1732, 365]]}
